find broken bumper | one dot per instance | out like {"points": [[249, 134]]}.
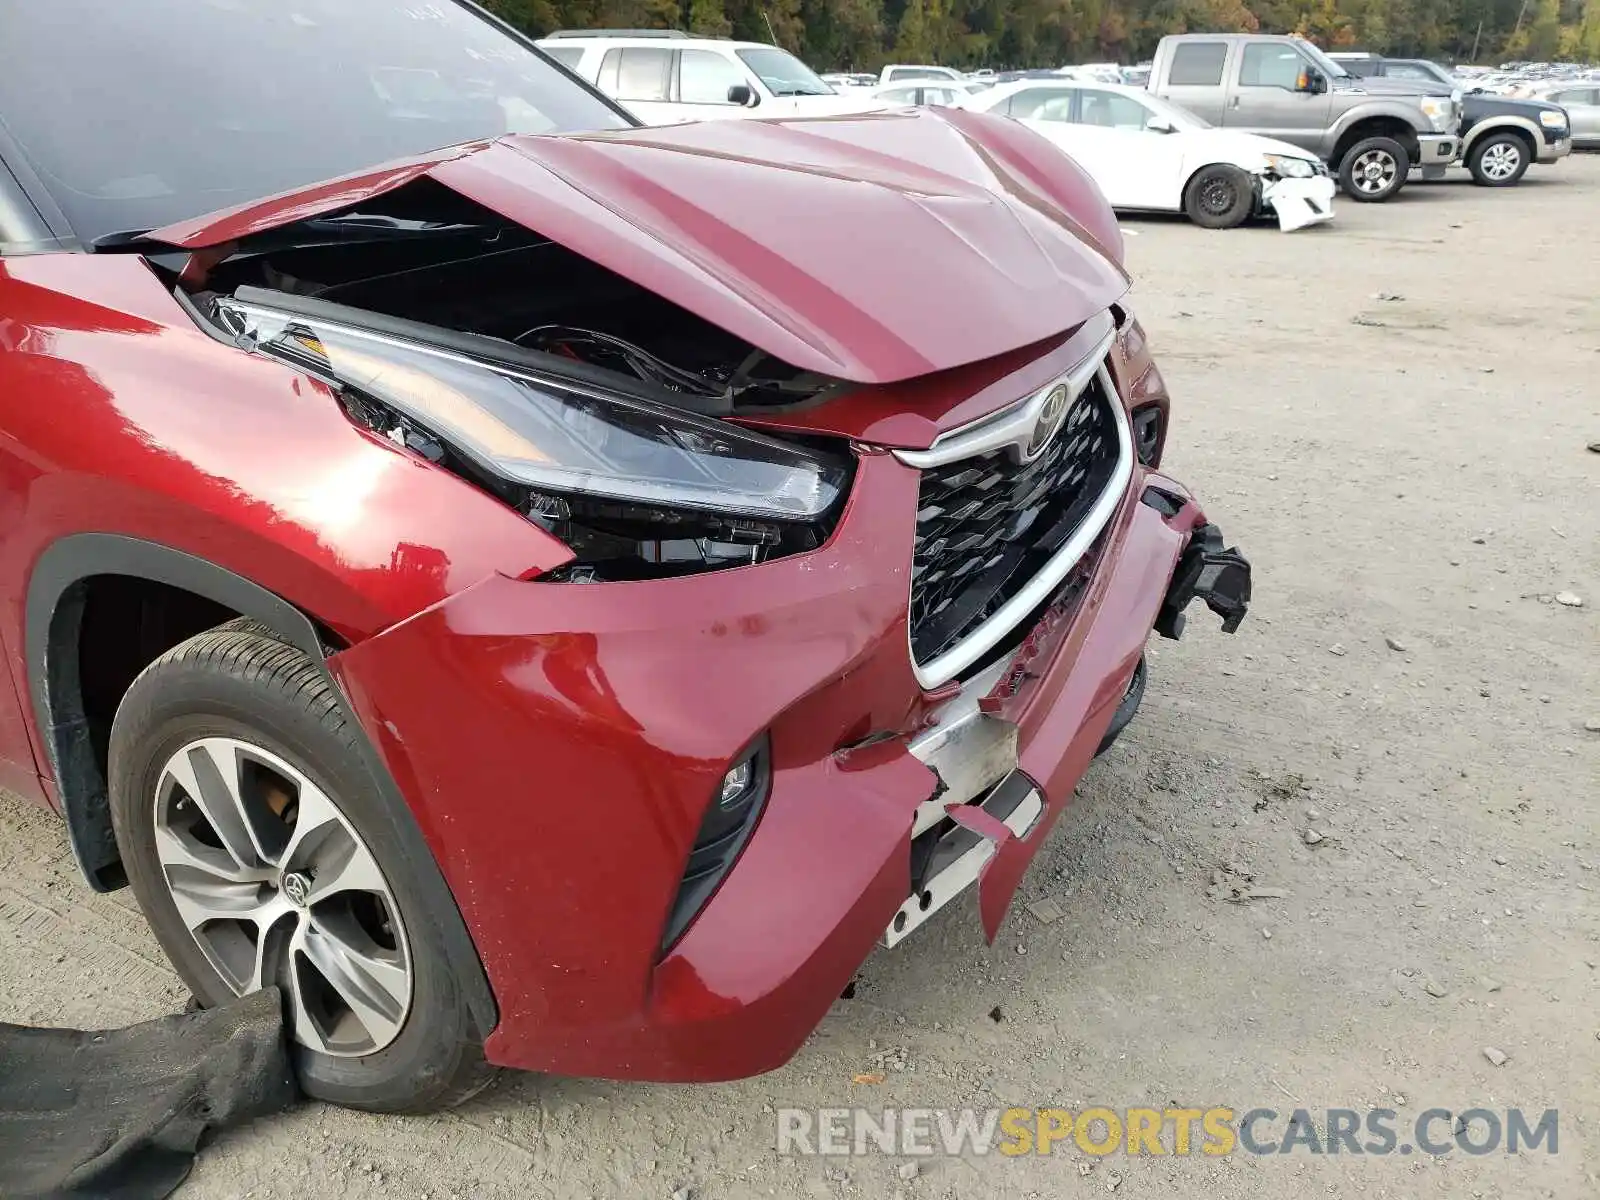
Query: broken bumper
{"points": [[559, 744], [1300, 202], [983, 823]]}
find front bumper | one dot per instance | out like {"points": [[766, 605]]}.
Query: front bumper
{"points": [[1437, 149], [559, 743], [1299, 202], [1554, 150]]}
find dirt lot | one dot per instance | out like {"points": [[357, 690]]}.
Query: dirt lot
{"points": [[1390, 416]]}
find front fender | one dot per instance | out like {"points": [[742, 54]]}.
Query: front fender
{"points": [[1379, 109], [1492, 123]]}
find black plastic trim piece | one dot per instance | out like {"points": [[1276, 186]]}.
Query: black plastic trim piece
{"points": [[1207, 571], [1148, 449], [697, 887], [54, 614]]}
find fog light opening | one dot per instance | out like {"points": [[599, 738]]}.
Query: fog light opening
{"points": [[735, 784]]}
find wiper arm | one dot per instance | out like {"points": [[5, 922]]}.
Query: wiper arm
{"points": [[382, 225], [125, 239]]}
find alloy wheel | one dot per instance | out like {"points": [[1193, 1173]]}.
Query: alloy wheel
{"points": [[1501, 160], [275, 886], [1374, 171]]}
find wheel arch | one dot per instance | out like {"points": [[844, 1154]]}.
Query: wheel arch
{"points": [[1503, 124], [52, 628], [1376, 124], [53, 615], [1192, 173]]}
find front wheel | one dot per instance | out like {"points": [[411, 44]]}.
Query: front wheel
{"points": [[261, 852], [1219, 197], [1374, 170], [1498, 160]]}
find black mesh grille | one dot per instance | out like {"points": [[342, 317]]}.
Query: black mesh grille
{"points": [[986, 525]]}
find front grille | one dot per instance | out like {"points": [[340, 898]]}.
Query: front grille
{"points": [[986, 525]]}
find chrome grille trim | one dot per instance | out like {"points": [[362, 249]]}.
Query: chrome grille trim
{"points": [[1013, 427]]}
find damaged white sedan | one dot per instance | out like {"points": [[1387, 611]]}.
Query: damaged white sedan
{"points": [[1149, 155]]}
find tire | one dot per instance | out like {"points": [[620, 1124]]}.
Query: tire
{"points": [[363, 908], [1499, 159], [1219, 197], [1374, 170], [1127, 708]]}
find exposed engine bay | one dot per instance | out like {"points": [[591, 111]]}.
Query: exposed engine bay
{"points": [[422, 272]]}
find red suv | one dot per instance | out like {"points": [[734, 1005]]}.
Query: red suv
{"points": [[561, 599]]}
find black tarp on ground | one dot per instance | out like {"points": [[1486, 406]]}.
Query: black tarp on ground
{"points": [[118, 1115]]}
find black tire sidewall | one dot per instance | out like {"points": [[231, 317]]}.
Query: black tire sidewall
{"points": [[179, 701], [1244, 197], [1481, 147], [1347, 168]]}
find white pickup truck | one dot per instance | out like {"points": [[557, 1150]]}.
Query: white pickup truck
{"points": [[663, 76]]}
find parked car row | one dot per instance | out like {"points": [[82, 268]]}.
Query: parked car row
{"points": [[1226, 128], [1150, 155], [1501, 135]]}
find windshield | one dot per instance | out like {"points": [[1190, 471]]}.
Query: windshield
{"points": [[138, 115], [783, 73], [1328, 67]]}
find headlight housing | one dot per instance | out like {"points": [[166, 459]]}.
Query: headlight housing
{"points": [[1288, 167], [1440, 110], [615, 476], [1553, 118]]}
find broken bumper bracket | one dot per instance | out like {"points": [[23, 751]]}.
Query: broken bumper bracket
{"points": [[1207, 571]]}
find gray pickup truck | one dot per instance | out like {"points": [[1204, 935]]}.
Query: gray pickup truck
{"points": [[1370, 131]]}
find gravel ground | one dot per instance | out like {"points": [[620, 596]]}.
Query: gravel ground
{"points": [[1389, 415]]}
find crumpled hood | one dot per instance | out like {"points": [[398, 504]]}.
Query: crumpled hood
{"points": [[873, 248]]}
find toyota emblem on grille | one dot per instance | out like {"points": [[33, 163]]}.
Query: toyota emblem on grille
{"points": [[1051, 415]]}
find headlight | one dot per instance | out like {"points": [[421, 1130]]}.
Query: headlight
{"points": [[553, 435], [1553, 118], [1288, 167], [1440, 110]]}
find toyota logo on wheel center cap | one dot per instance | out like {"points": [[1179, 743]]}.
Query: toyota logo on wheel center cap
{"points": [[1050, 418], [297, 886]]}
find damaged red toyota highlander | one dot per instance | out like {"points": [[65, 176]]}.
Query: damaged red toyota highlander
{"points": [[558, 600]]}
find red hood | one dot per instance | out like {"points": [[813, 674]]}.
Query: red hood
{"points": [[873, 248]]}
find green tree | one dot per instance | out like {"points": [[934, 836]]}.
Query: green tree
{"points": [[911, 36], [707, 17], [1587, 48], [1544, 31]]}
